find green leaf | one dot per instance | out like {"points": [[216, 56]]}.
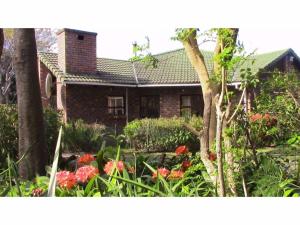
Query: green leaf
{"points": [[52, 182], [140, 185], [89, 185], [287, 192]]}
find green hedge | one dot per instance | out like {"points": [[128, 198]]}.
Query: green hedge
{"points": [[163, 134]]}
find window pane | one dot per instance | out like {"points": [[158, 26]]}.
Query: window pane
{"points": [[149, 107], [116, 105], [186, 101], [119, 102], [197, 105]]}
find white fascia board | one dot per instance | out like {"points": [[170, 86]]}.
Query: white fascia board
{"points": [[99, 84], [141, 85]]}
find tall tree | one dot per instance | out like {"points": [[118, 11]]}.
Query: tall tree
{"points": [[30, 115], [210, 90]]}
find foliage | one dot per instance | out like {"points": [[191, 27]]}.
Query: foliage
{"points": [[272, 179], [9, 132], [142, 54], [278, 96], [162, 134], [122, 181], [52, 124], [81, 137]]}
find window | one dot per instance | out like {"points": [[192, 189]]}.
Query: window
{"points": [[149, 106], [191, 105], [116, 105]]}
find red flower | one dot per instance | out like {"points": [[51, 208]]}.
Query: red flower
{"points": [[271, 121], [86, 159], [212, 156], [108, 168], [256, 117], [85, 173], [38, 192], [181, 150], [162, 171], [176, 174], [185, 165], [66, 179]]}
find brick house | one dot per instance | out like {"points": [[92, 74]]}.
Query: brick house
{"points": [[113, 92]]}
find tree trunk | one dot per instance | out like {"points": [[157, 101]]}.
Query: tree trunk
{"points": [[221, 182], [197, 60], [229, 158], [2, 99], [1, 42], [30, 113]]}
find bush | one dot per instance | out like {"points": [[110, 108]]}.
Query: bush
{"points": [[163, 134], [279, 96], [53, 121], [9, 132], [81, 137]]}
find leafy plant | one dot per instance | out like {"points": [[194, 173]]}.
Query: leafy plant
{"points": [[81, 137], [163, 134]]}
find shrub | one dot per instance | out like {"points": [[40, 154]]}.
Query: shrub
{"points": [[9, 132], [279, 96], [163, 134], [52, 124], [81, 137]]}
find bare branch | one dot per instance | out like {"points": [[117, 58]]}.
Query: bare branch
{"points": [[237, 108], [293, 97]]}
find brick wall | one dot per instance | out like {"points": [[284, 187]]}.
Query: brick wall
{"points": [[90, 102], [76, 55]]}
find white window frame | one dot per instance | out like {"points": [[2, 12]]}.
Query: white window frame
{"points": [[113, 108]]}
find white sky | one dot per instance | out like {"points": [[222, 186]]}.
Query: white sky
{"points": [[117, 42]]}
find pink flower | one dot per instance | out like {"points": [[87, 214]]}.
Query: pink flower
{"points": [[176, 174], [38, 192], [162, 171], [66, 179], [86, 159], [85, 173], [181, 150], [108, 168]]}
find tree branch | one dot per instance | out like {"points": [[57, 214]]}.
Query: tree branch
{"points": [[293, 97], [192, 130], [237, 108]]}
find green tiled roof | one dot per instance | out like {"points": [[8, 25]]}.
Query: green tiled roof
{"points": [[173, 68]]}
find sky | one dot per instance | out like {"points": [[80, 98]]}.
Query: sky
{"points": [[117, 42]]}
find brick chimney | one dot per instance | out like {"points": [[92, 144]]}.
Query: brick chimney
{"points": [[77, 51]]}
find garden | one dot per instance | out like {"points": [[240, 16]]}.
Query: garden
{"points": [[231, 150], [160, 157]]}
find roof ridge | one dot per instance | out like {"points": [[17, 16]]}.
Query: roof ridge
{"points": [[124, 60], [281, 50], [179, 49]]}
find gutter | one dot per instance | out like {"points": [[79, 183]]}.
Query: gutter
{"points": [[141, 85], [99, 84]]}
